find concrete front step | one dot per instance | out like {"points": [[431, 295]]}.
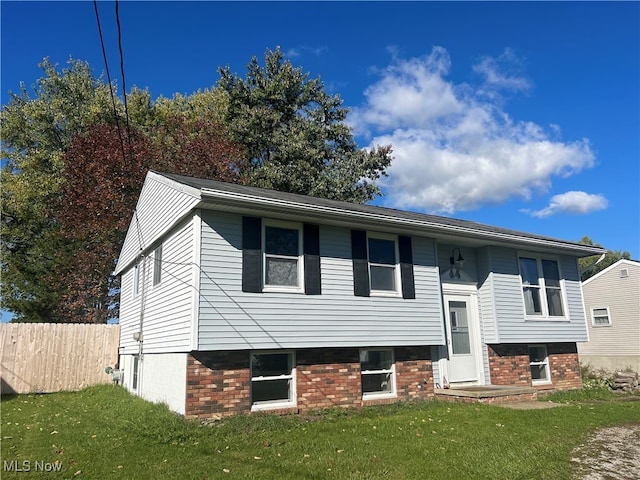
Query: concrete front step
{"points": [[487, 394]]}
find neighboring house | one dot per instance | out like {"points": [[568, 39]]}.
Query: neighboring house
{"points": [[238, 299], [612, 304]]}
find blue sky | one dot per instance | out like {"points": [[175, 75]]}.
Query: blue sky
{"points": [[520, 115]]}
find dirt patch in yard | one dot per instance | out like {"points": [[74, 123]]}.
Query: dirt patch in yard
{"points": [[610, 453]]}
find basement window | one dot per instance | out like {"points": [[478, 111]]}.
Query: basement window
{"points": [[134, 376], [272, 380], [539, 363], [377, 373]]}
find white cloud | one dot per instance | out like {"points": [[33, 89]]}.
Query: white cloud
{"points": [[502, 72], [577, 203], [455, 147]]}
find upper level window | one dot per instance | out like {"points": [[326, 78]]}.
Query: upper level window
{"points": [[157, 265], [383, 263], [541, 287], [282, 257], [600, 317]]}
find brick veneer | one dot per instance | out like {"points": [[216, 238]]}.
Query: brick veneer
{"points": [[219, 383], [564, 366], [509, 365]]}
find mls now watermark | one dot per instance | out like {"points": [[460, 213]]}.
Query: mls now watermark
{"points": [[29, 466]]}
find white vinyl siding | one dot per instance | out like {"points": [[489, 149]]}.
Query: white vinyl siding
{"points": [[168, 306], [159, 206], [232, 319], [502, 302], [616, 346]]}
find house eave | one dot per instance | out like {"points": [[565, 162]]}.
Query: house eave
{"points": [[256, 205]]}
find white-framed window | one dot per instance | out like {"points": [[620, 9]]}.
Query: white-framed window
{"points": [[377, 373], [600, 317], [384, 271], [136, 279], [541, 286], [539, 364], [157, 265], [283, 259], [134, 372], [272, 380]]}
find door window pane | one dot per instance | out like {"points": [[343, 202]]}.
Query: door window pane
{"points": [[460, 343]]}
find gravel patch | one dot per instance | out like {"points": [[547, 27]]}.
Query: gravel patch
{"points": [[609, 454]]}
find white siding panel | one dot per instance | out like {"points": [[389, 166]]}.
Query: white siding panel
{"points": [[616, 345], [509, 306], [232, 319], [159, 207], [168, 306], [486, 302]]}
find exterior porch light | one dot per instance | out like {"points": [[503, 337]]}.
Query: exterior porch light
{"points": [[456, 263]]}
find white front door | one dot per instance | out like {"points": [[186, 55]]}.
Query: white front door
{"points": [[461, 342]]}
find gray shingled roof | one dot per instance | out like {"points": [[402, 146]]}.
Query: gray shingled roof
{"points": [[211, 186]]}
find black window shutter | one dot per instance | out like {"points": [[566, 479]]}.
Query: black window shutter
{"points": [[361, 286], [251, 254], [311, 250], [406, 267]]}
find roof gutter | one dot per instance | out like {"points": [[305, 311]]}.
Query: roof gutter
{"points": [[280, 205]]}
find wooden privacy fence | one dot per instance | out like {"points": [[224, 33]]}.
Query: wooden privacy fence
{"points": [[54, 357]]}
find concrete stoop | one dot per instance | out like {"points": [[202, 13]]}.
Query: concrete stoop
{"points": [[493, 394]]}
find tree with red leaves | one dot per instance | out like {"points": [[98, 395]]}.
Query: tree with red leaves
{"points": [[104, 172]]}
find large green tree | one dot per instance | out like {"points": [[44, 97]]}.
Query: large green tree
{"points": [[72, 168], [589, 266], [37, 127], [295, 135]]}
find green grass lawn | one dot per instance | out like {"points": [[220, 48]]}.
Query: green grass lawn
{"points": [[103, 432]]}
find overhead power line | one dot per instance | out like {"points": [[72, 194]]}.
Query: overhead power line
{"points": [[106, 67]]}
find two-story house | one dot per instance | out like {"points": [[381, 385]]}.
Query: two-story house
{"points": [[238, 299]]}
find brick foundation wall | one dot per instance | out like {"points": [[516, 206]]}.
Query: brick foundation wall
{"points": [[328, 377], [219, 383], [564, 366], [509, 365], [414, 374]]}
